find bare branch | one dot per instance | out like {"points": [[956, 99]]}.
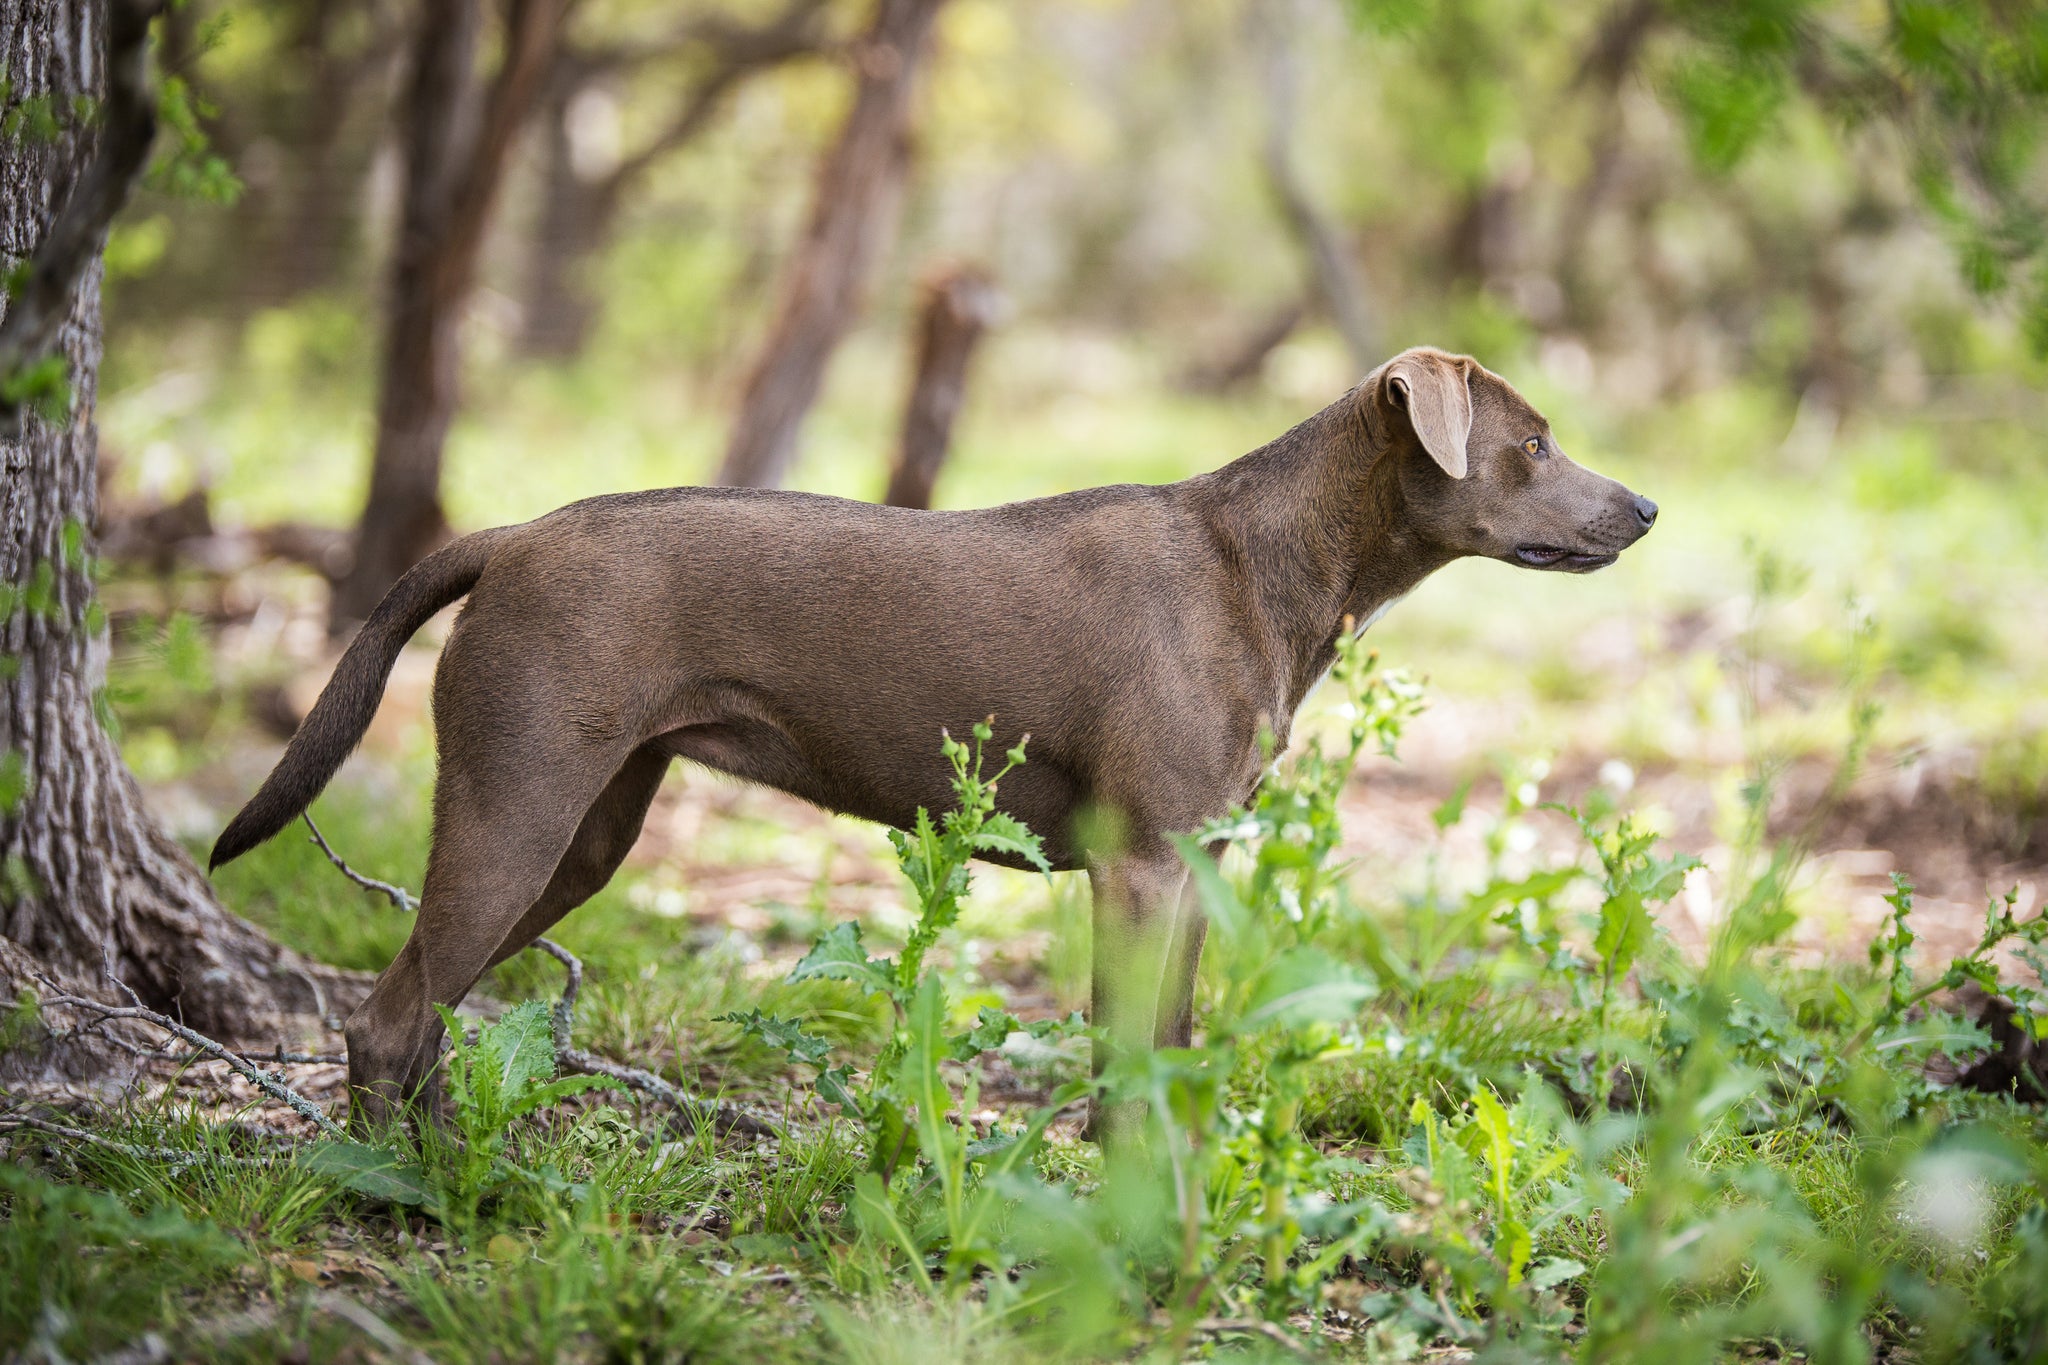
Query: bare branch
{"points": [[397, 895], [177, 1158], [532, 29], [740, 52], [269, 1084], [1331, 271], [565, 1008], [723, 1118], [128, 127], [567, 1058], [1272, 1331]]}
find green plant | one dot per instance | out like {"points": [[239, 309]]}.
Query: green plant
{"points": [[507, 1073], [905, 1099]]}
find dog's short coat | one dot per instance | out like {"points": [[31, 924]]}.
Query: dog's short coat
{"points": [[1144, 637]]}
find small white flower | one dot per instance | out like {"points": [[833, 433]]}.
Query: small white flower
{"points": [[1617, 776]]}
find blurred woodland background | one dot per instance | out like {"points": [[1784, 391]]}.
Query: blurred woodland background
{"points": [[399, 269], [1779, 263]]}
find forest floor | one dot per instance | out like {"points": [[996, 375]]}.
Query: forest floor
{"points": [[1518, 1101]]}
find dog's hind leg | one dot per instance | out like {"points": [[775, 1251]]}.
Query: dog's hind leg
{"points": [[1175, 1025], [507, 806], [1136, 893], [602, 841]]}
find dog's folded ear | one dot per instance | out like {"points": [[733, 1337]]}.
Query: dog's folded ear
{"points": [[1431, 387]]}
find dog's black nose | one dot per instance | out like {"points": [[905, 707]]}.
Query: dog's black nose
{"points": [[1646, 511]]}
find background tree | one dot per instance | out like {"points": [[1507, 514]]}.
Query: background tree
{"points": [[458, 137], [89, 883], [960, 304], [1333, 274], [579, 206], [852, 213]]}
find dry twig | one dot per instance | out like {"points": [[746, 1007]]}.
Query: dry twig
{"points": [[397, 895], [176, 1158], [568, 1058], [265, 1081]]}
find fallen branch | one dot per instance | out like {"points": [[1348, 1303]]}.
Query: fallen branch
{"points": [[397, 895], [264, 1081], [176, 1158], [1272, 1331], [568, 1058], [723, 1118]]}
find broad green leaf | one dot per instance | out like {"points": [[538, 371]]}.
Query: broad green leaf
{"points": [[540, 1096], [519, 1048], [1553, 1271], [1512, 1244], [1303, 986], [991, 1028], [1453, 808], [920, 1081], [838, 955], [1625, 927], [1228, 915], [835, 1084], [786, 1034], [377, 1172], [1536, 886]]}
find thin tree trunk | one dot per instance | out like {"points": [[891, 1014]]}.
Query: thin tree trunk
{"points": [[321, 219], [580, 212], [455, 163], [88, 881], [574, 222], [1331, 272], [960, 303], [852, 214]]}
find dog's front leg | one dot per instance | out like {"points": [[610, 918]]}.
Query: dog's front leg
{"points": [[1138, 963]]}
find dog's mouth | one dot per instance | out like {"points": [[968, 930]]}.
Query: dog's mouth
{"points": [[1563, 560]]}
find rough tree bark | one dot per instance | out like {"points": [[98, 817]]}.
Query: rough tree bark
{"points": [[89, 883], [457, 145], [1331, 273], [579, 211], [852, 214], [960, 303]]}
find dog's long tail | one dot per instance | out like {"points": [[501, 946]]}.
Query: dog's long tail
{"points": [[337, 722]]}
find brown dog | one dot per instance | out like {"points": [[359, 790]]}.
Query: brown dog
{"points": [[1143, 636]]}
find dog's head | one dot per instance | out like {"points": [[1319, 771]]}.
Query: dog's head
{"points": [[1482, 475]]}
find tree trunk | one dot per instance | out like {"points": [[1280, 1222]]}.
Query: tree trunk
{"points": [[580, 211], [455, 158], [88, 882], [574, 222], [853, 212], [1331, 273], [321, 218], [960, 303]]}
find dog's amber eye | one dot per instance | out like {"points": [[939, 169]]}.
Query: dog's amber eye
{"points": [[1534, 446]]}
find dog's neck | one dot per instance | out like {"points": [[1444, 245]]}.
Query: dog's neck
{"points": [[1316, 527]]}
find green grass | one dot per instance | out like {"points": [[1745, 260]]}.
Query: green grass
{"points": [[1733, 1166], [1498, 1147]]}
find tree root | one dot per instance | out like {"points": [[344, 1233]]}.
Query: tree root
{"points": [[97, 1016]]}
